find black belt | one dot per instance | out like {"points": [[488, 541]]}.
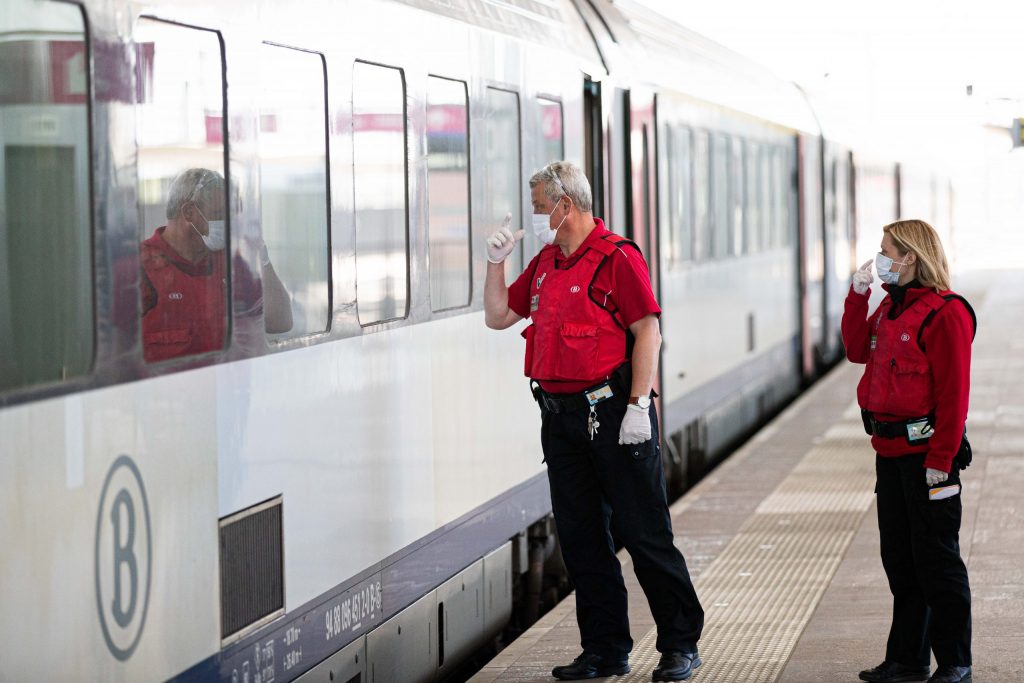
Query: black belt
{"points": [[897, 430], [568, 403]]}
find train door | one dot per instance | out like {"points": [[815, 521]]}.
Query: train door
{"points": [[593, 143], [812, 259], [642, 227], [642, 195]]}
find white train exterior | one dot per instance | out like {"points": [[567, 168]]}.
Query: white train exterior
{"points": [[351, 500]]}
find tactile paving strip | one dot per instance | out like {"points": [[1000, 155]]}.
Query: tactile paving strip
{"points": [[759, 594]]}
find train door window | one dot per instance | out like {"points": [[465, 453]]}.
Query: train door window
{"points": [[551, 130], [551, 149], [503, 187], [736, 189], [294, 211], [768, 199], [46, 287], [379, 134], [701, 196], [448, 192], [752, 184], [720, 196], [182, 192]]}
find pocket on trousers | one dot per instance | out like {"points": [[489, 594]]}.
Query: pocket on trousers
{"points": [[642, 451]]}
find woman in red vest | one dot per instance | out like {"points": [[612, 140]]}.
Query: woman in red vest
{"points": [[917, 349]]}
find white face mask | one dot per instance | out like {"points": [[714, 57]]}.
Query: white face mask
{"points": [[217, 239], [542, 226], [883, 264]]}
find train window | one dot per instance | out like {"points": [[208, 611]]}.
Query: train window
{"points": [[503, 191], [683, 195], [448, 192], [379, 134], [736, 197], [768, 200], [46, 291], [182, 193], [752, 184], [701, 196], [551, 130], [294, 211], [720, 196], [782, 192], [677, 194]]}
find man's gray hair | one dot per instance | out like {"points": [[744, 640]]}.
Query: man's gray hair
{"points": [[199, 185], [564, 178]]}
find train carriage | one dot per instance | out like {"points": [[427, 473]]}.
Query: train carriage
{"points": [[360, 495]]}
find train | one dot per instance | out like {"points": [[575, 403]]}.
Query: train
{"points": [[361, 497]]}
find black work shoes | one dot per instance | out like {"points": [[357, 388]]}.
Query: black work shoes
{"points": [[589, 665], [952, 674], [676, 666], [891, 672]]}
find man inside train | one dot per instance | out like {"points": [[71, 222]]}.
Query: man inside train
{"points": [[184, 275], [591, 355]]}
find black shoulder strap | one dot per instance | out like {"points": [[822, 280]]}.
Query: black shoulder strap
{"points": [[619, 240], [928, 318]]}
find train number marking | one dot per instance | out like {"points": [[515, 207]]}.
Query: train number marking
{"points": [[347, 615]]}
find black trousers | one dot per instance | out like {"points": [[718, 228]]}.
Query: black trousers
{"points": [[921, 555], [599, 488]]}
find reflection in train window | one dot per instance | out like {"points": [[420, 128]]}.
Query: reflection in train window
{"points": [[752, 183], [294, 209], [381, 198], [736, 190], [46, 291], [448, 192], [720, 196], [182, 193], [701, 196], [551, 130], [502, 174]]}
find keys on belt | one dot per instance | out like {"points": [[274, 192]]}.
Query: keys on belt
{"points": [[567, 403]]}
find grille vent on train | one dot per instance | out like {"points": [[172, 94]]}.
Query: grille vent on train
{"points": [[251, 569]]}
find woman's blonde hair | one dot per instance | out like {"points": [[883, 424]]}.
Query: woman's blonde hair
{"points": [[921, 238]]}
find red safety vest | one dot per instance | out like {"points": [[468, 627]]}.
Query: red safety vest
{"points": [[575, 335], [189, 315], [898, 378]]}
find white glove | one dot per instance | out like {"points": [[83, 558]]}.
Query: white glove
{"points": [[636, 425], [501, 243], [862, 279], [933, 477]]}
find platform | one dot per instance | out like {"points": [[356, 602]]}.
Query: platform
{"points": [[782, 543]]}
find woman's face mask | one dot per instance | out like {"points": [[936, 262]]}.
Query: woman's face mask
{"points": [[542, 225], [883, 264], [216, 239]]}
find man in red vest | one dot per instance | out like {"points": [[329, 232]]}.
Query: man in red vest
{"points": [[184, 275], [592, 354]]}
